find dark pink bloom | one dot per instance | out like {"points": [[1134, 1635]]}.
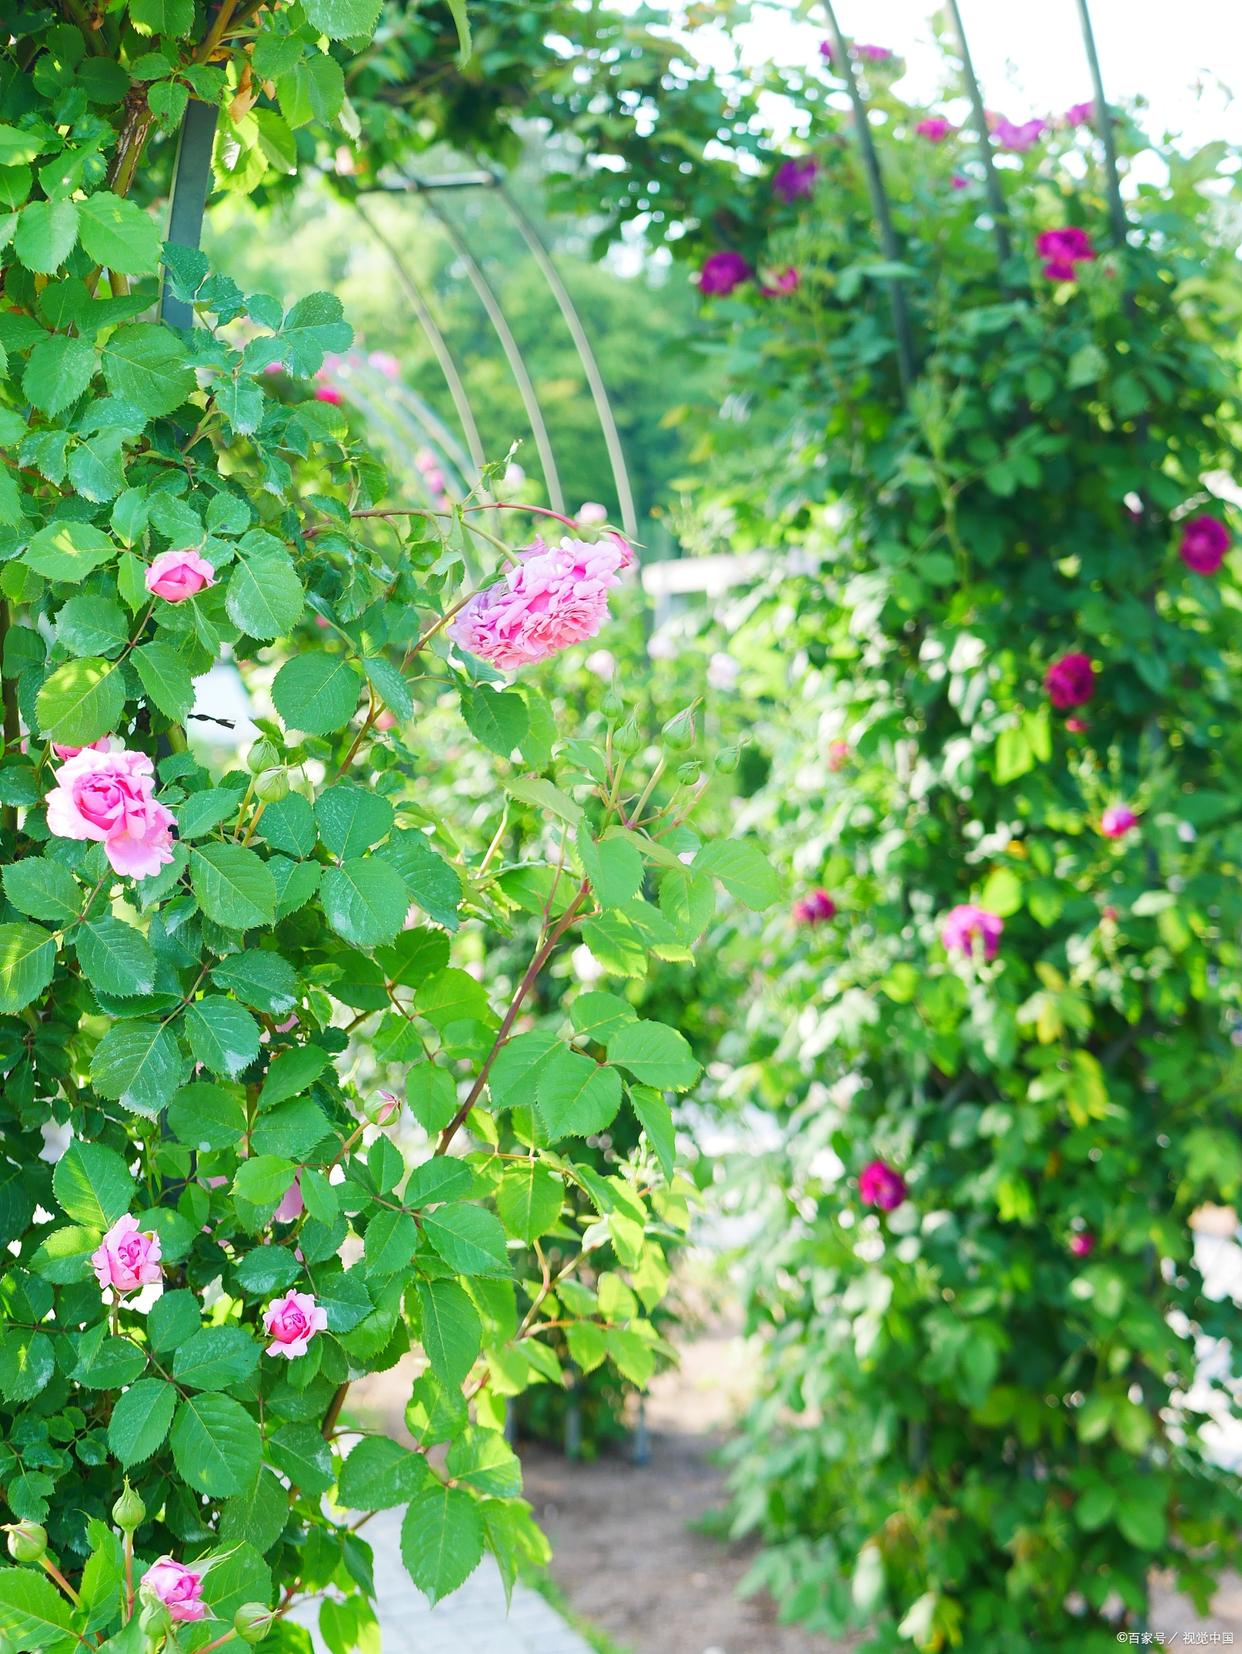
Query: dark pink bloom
{"points": [[291, 1322], [815, 908], [958, 182], [785, 282], [179, 1588], [1017, 136], [176, 575], [968, 929], [1205, 540], [935, 129], [1063, 251], [874, 54], [825, 50], [1070, 681], [722, 272], [1076, 726], [795, 179], [1117, 821], [1079, 114], [1082, 1244], [879, 1185], [328, 393], [127, 1257]]}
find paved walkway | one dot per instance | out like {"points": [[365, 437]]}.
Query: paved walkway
{"points": [[471, 1621]]}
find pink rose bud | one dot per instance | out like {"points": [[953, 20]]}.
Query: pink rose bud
{"points": [[1082, 1245], [554, 596], [384, 1109], [1117, 821], [815, 908], [291, 1322], [968, 929], [1205, 540], [109, 797], [127, 1257], [1070, 681], [179, 1588], [176, 575], [838, 755], [104, 744], [879, 1185], [385, 722], [291, 1206], [591, 514]]}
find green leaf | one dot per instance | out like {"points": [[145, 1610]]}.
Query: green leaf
{"points": [[115, 1363], [165, 676], [546, 796], [301, 1452], [233, 886], [114, 957], [215, 1357], [289, 826], [518, 1065], [92, 1184], [351, 819], [118, 234], [483, 1460], [432, 1096], [597, 1015], [452, 1333], [379, 1474], [498, 718], [82, 700], [43, 889], [743, 869], [343, 19], [264, 597], [34, 1616], [26, 1363], [47, 232], [656, 1119], [529, 1200], [575, 1096], [203, 811], [170, 17], [173, 1317], [262, 979], [441, 1540], [316, 692], [431, 882], [654, 1054], [58, 371], [613, 866], [391, 1240], [292, 1072], [223, 1036], [470, 1240], [140, 1419], [267, 1269], [586, 1345], [263, 1180], [147, 364], [216, 1444], [92, 626], [139, 1065], [27, 961], [365, 901], [204, 1116], [68, 551], [293, 1130]]}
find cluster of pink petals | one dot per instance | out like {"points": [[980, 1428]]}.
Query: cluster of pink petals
{"points": [[1016, 135], [555, 596], [1070, 681], [879, 1185], [179, 1588], [291, 1322], [176, 575], [128, 1257], [935, 129], [1079, 114], [785, 281], [815, 908], [795, 179], [104, 744], [967, 928], [1063, 251], [1205, 540], [1117, 821], [722, 272], [109, 797], [874, 54], [291, 1203], [328, 392]]}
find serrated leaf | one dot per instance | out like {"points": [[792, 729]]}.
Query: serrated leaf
{"points": [[743, 869], [27, 961], [68, 551], [92, 1185], [81, 701], [575, 1096], [469, 1239], [452, 1333], [147, 364], [233, 886], [58, 371], [261, 979], [118, 234], [140, 1419], [351, 819], [365, 901], [165, 676], [43, 889], [529, 1200], [441, 1540], [216, 1444], [264, 597], [47, 232], [316, 692], [33, 1614], [497, 717], [379, 1473], [215, 1357], [654, 1054], [223, 1036], [139, 1065], [343, 19]]}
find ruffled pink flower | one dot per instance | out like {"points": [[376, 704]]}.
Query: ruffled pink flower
{"points": [[1205, 540], [1070, 681], [815, 908], [1063, 251], [879, 1185], [291, 1322], [722, 272], [795, 179], [176, 575], [555, 596], [1117, 821], [1079, 114], [967, 928], [127, 1257], [383, 361], [935, 129], [104, 744], [108, 797], [291, 1203], [838, 755], [783, 283], [590, 514], [1017, 136], [179, 1588], [1082, 1244]]}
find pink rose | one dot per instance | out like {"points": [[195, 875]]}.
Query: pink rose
{"points": [[104, 744], [1082, 1245], [176, 575], [291, 1204], [291, 1322], [838, 755], [107, 796], [874, 54], [555, 596], [179, 1588], [783, 283], [127, 1257], [1117, 821], [1063, 251], [958, 182], [591, 513], [1070, 681], [967, 925], [815, 908], [879, 1185], [1076, 726], [1078, 114], [722, 272], [1205, 540], [1019, 137], [329, 393], [935, 129]]}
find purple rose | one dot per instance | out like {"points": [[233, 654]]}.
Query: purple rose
{"points": [[722, 272], [935, 129], [1070, 681], [968, 929], [795, 179], [1063, 251], [879, 1185], [1205, 540]]}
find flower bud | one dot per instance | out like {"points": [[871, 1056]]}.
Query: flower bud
{"points": [[612, 706], [252, 1622], [689, 772], [726, 760], [383, 1109], [679, 732], [272, 786], [262, 755], [27, 1541], [129, 1512], [628, 738]]}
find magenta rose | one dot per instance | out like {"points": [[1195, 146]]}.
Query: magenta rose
{"points": [[795, 179], [1063, 251], [1205, 540], [879, 1185], [555, 596], [179, 1588], [825, 50], [783, 283], [1078, 114], [722, 272], [104, 744], [330, 393], [874, 54], [1117, 821], [176, 575], [108, 797], [1070, 681], [1017, 136], [815, 908], [935, 129], [127, 1257], [1082, 1245], [968, 929], [291, 1322]]}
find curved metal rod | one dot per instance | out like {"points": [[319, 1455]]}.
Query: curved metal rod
{"points": [[879, 204], [439, 344], [1116, 206], [991, 181], [542, 256], [513, 353]]}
